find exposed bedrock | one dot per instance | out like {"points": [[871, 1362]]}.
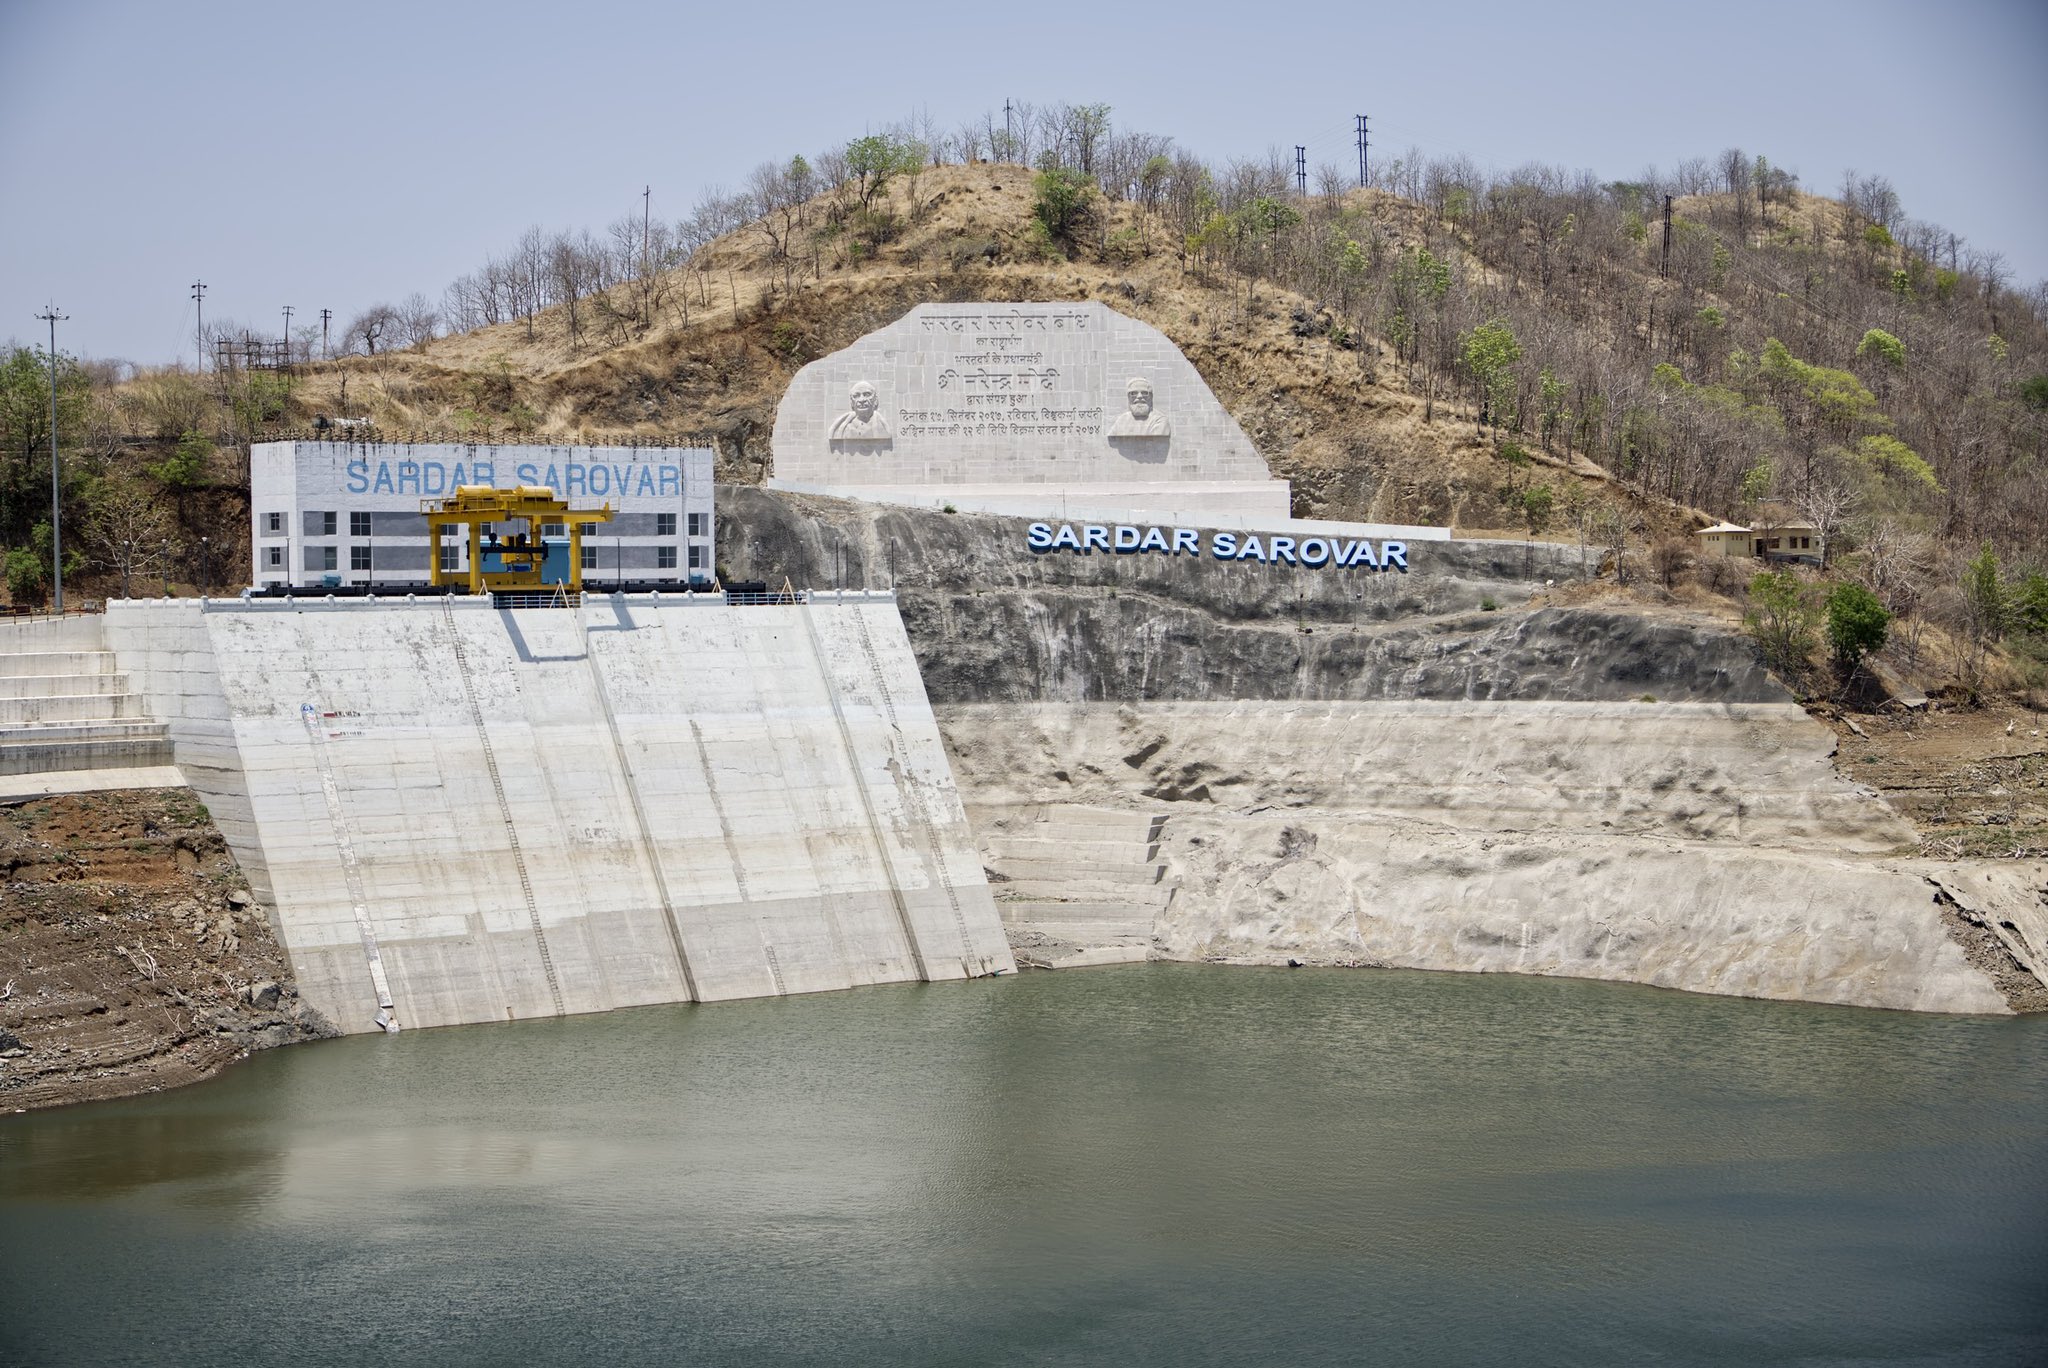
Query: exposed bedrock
{"points": [[1703, 847]]}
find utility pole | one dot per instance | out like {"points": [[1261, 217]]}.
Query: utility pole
{"points": [[199, 335], [1010, 138], [288, 311], [646, 201], [1364, 141], [51, 315], [1665, 271], [1300, 169], [325, 315]]}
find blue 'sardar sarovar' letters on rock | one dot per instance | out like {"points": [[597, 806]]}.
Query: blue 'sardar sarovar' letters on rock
{"points": [[1313, 553]]}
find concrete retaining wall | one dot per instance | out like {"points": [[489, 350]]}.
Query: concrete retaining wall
{"points": [[511, 814]]}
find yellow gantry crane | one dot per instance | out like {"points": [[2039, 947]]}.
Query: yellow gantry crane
{"points": [[513, 560]]}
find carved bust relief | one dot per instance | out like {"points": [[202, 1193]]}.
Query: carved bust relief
{"points": [[862, 422], [1140, 419]]}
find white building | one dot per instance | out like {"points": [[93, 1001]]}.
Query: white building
{"points": [[349, 513]]}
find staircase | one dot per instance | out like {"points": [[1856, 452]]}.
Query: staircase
{"points": [[1074, 885], [67, 715]]}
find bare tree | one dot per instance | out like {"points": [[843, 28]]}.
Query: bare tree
{"points": [[128, 531], [417, 322], [372, 328]]}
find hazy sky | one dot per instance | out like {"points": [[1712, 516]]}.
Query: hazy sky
{"points": [[340, 154]]}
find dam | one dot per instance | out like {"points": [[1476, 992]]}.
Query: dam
{"points": [[460, 813]]}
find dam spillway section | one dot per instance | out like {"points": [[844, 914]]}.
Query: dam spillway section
{"points": [[455, 812]]}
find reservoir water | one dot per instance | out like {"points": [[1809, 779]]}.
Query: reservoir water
{"points": [[1160, 1164]]}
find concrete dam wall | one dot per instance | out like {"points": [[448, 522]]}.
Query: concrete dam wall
{"points": [[458, 814]]}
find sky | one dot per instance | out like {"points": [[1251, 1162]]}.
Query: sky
{"points": [[338, 155]]}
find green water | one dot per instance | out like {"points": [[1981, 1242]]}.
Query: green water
{"points": [[1154, 1165]]}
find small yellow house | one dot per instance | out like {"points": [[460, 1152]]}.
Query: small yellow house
{"points": [[1780, 538]]}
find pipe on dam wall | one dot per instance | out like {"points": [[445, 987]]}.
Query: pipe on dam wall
{"points": [[569, 810]]}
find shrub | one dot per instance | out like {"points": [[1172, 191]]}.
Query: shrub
{"points": [[1857, 624], [185, 467], [1781, 621]]}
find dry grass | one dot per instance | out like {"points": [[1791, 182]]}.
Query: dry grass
{"points": [[1341, 423]]}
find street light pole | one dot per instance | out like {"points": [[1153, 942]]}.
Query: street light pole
{"points": [[56, 511]]}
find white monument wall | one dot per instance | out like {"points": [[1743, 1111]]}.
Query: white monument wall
{"points": [[1000, 395]]}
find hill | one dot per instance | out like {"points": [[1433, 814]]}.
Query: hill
{"points": [[1530, 353]]}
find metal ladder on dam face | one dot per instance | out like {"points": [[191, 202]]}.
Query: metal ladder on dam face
{"points": [[935, 853], [476, 714]]}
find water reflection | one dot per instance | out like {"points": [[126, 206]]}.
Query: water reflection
{"points": [[1158, 1164]]}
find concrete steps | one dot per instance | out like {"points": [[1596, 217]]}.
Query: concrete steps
{"points": [[65, 706], [1075, 885], [96, 707], [24, 663]]}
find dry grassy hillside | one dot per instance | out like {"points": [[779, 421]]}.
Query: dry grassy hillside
{"points": [[1334, 416]]}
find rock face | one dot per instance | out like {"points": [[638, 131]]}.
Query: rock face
{"points": [[130, 958], [1363, 767], [992, 621], [1689, 846]]}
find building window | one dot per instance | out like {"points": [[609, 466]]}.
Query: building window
{"points": [[554, 529], [664, 524], [696, 558], [273, 556], [664, 558], [329, 558], [273, 523], [326, 524], [448, 554], [589, 529], [588, 557], [359, 524], [359, 558], [696, 524]]}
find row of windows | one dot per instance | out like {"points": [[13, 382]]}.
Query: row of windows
{"points": [[359, 525], [360, 558]]}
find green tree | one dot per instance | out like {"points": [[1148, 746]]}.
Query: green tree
{"points": [[1984, 598], [1060, 201], [25, 431], [873, 162], [185, 467], [1857, 624], [28, 576], [1781, 621], [1882, 346], [1886, 453], [2027, 605], [1490, 355]]}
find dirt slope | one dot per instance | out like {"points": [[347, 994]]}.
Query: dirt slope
{"points": [[132, 957], [1328, 413]]}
